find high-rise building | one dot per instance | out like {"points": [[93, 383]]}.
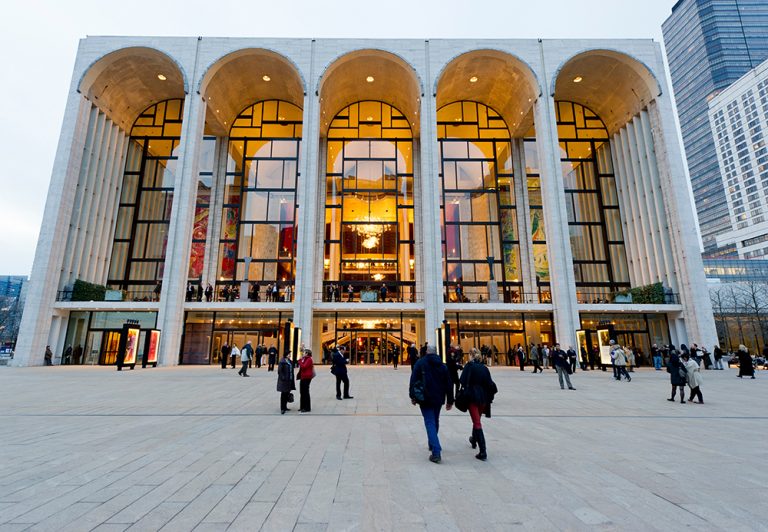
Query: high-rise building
{"points": [[13, 290], [369, 193], [739, 118], [710, 44]]}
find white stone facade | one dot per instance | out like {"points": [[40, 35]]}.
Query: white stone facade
{"points": [[739, 120], [115, 78]]}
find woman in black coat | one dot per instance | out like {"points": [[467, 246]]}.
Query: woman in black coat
{"points": [[746, 369], [677, 377], [476, 382], [285, 382]]}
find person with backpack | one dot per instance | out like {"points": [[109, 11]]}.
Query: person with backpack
{"points": [[619, 361], [429, 387], [478, 391]]}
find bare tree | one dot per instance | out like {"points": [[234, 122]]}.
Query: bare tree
{"points": [[754, 298], [733, 300], [717, 297]]}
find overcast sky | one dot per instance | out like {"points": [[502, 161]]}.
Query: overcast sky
{"points": [[38, 42]]}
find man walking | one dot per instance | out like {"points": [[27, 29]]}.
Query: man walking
{"points": [[535, 358], [246, 355], [619, 361], [430, 385], [413, 355], [562, 365], [271, 358], [339, 369]]}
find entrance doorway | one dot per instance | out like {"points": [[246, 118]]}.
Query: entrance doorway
{"points": [[267, 337], [498, 342]]}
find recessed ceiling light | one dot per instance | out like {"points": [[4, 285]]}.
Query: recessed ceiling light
{"points": [[369, 118], [161, 77], [577, 79], [369, 79], [266, 78], [473, 79]]}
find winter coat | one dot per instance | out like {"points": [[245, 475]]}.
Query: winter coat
{"points": [[560, 358], [247, 353], [619, 357], [745, 364], [272, 354], [306, 368], [437, 382], [339, 364], [673, 368], [476, 380], [285, 382], [694, 373]]}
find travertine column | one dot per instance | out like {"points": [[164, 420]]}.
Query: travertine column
{"points": [[44, 281], [170, 318], [556, 219]]}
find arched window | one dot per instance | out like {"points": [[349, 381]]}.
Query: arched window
{"points": [[369, 205], [594, 221], [479, 220], [258, 226], [141, 231]]}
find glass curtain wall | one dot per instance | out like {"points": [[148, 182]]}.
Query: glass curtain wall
{"points": [[369, 243], [258, 226], [202, 209], [479, 223], [594, 221], [146, 197], [536, 213]]}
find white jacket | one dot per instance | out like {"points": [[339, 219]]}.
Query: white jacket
{"points": [[693, 374], [235, 352]]}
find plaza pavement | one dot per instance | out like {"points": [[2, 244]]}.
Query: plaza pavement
{"points": [[198, 448]]}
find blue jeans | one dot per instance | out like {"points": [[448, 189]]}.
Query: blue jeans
{"points": [[431, 415], [657, 362]]}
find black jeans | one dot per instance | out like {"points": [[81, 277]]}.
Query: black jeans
{"points": [[244, 370], [339, 380], [284, 400], [696, 392], [305, 403], [622, 371], [536, 366]]}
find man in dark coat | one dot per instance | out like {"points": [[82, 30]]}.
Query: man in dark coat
{"points": [[562, 365], [413, 355], [259, 354], [429, 387], [339, 369], [271, 358], [285, 381], [453, 369], [225, 350]]}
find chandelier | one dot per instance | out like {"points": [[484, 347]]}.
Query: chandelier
{"points": [[371, 233]]}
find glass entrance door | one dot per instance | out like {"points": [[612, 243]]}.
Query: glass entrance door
{"points": [[268, 338]]}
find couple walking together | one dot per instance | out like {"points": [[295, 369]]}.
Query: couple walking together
{"points": [[431, 386]]}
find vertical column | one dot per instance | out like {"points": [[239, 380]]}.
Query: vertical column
{"points": [[563, 284], [219, 181], [308, 210], [38, 309], [170, 319], [699, 320], [434, 306]]}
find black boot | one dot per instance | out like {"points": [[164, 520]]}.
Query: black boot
{"points": [[473, 439], [480, 437]]}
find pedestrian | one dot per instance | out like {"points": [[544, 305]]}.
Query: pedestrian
{"points": [[199, 292], [396, 355], [271, 358], [275, 292], [693, 377], [656, 355], [413, 355], [718, 353], [67, 358], [584, 358], [631, 360], [677, 375], [383, 292], [544, 354], [429, 387], [521, 357], [746, 369], [535, 358], [208, 293], [259, 355], [306, 374], [453, 369], [619, 361], [48, 356], [246, 355], [572, 356], [224, 355], [480, 390], [285, 382], [233, 354], [423, 349], [339, 370], [562, 366]]}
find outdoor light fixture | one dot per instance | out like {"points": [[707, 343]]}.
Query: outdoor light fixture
{"points": [[473, 79], [161, 77], [369, 79], [266, 78], [577, 79]]}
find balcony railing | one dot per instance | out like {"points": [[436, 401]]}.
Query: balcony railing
{"points": [[620, 298], [338, 293], [115, 295], [481, 294]]}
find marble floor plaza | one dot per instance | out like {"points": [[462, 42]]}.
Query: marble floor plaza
{"points": [[198, 448]]}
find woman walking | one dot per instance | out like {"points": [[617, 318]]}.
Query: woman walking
{"points": [[677, 375], [306, 374], [480, 389], [285, 382], [693, 375], [746, 369]]}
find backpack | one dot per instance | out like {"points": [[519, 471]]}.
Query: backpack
{"points": [[418, 390]]}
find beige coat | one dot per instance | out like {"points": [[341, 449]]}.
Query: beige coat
{"points": [[693, 373]]}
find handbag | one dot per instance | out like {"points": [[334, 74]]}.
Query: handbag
{"points": [[290, 397], [462, 400]]}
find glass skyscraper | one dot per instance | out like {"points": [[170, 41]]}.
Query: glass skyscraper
{"points": [[710, 44]]}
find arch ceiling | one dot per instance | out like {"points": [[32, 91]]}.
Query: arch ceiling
{"points": [[502, 81], [125, 82], [614, 85], [237, 80], [345, 82]]}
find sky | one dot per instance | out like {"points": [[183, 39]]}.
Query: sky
{"points": [[39, 39]]}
